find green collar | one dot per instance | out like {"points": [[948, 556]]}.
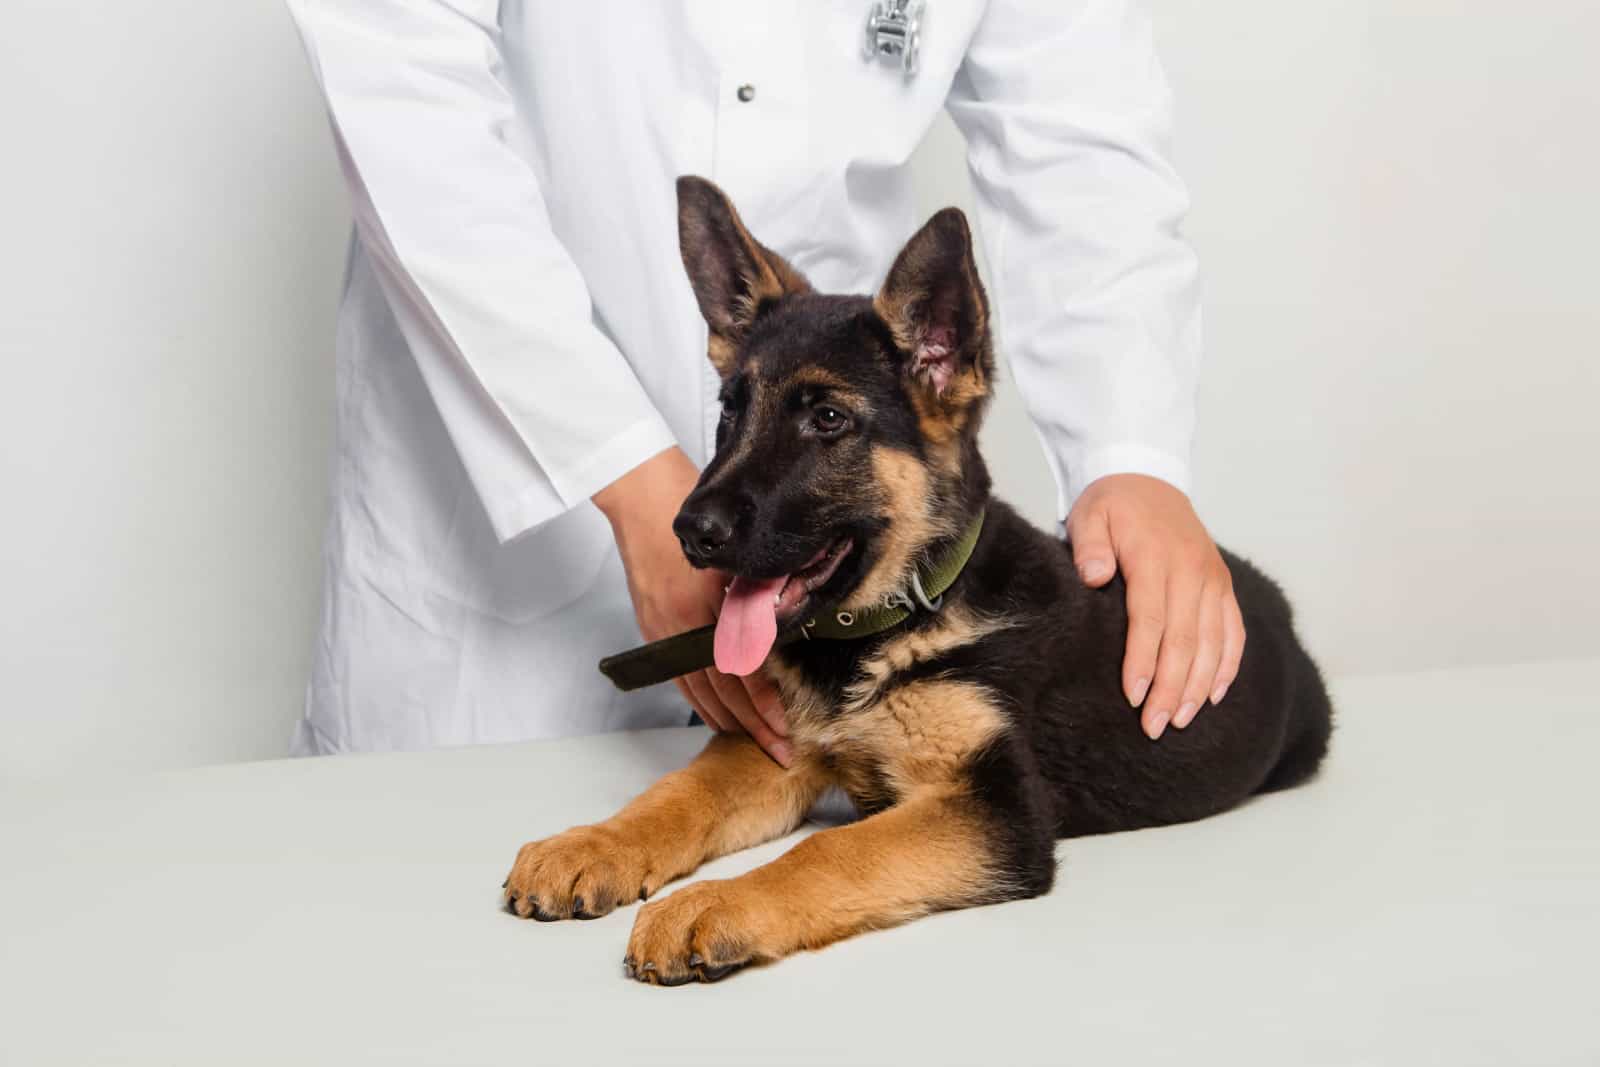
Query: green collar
{"points": [[691, 651]]}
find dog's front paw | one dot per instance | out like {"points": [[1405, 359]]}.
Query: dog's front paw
{"points": [[703, 932], [583, 873]]}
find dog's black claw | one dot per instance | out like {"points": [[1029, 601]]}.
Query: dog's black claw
{"points": [[505, 883], [577, 907], [715, 974], [695, 959], [644, 894], [544, 916], [511, 905], [649, 966], [678, 979], [627, 968]]}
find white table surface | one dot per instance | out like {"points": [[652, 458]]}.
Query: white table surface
{"points": [[1432, 898]]}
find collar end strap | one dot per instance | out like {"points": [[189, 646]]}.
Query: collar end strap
{"points": [[661, 661]]}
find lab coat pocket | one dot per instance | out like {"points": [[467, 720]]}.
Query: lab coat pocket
{"points": [[539, 573]]}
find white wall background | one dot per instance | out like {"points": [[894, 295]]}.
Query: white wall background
{"points": [[1395, 208], [171, 233]]}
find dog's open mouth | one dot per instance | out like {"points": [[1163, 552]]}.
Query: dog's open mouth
{"points": [[753, 609], [808, 579]]}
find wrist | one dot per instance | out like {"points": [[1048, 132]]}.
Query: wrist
{"points": [[649, 494]]}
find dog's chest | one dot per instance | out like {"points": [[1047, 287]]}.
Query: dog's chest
{"points": [[880, 738]]}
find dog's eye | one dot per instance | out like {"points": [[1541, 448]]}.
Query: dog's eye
{"points": [[729, 409], [826, 420]]}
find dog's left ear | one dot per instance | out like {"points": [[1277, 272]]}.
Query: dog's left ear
{"points": [[937, 311], [735, 277]]}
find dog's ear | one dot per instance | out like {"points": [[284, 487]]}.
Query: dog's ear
{"points": [[936, 309], [734, 277]]}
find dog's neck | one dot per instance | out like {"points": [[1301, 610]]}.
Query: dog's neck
{"points": [[959, 501]]}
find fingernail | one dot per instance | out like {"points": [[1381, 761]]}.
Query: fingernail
{"points": [[1140, 688], [1092, 570], [1158, 726], [1222, 691], [1185, 715], [783, 753]]}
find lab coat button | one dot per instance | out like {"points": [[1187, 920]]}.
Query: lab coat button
{"points": [[747, 93]]}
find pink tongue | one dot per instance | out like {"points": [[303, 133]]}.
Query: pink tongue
{"points": [[748, 625]]}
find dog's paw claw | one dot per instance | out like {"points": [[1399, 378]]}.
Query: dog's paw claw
{"points": [[716, 974]]}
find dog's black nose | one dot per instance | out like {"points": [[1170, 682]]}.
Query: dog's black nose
{"points": [[704, 527]]}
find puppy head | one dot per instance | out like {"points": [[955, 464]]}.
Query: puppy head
{"points": [[847, 443]]}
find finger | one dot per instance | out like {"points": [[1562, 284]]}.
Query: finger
{"points": [[731, 695], [1179, 640], [1207, 654], [711, 709], [1090, 534], [1233, 638], [697, 704], [769, 705], [1147, 618], [688, 698], [737, 701]]}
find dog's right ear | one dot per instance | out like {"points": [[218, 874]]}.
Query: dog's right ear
{"points": [[734, 277]]}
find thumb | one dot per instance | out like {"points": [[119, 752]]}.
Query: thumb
{"points": [[1090, 534]]}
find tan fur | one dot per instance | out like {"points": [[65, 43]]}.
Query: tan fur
{"points": [[732, 796], [723, 353], [907, 492], [912, 736], [953, 628], [902, 744], [779, 278], [926, 853], [800, 702]]}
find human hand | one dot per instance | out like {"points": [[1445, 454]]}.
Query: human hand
{"points": [[669, 596], [1185, 633]]}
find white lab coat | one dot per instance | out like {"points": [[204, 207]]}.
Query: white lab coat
{"points": [[517, 330]]}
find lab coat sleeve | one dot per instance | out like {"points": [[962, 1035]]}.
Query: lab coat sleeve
{"points": [[1067, 117], [541, 406]]}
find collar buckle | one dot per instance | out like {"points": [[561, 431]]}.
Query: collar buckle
{"points": [[928, 604]]}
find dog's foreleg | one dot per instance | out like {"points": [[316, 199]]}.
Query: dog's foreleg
{"points": [[932, 851], [732, 796]]}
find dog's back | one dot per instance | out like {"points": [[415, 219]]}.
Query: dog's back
{"points": [[1059, 660]]}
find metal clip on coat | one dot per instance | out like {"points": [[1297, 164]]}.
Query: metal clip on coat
{"points": [[894, 31]]}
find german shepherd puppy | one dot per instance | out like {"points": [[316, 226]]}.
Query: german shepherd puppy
{"points": [[970, 738]]}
